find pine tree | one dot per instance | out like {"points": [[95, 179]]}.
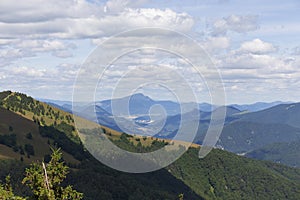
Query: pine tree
{"points": [[6, 192], [45, 180]]}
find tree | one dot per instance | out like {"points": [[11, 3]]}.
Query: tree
{"points": [[45, 179], [29, 149], [180, 196], [6, 191], [29, 136]]}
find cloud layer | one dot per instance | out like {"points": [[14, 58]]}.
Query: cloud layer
{"points": [[43, 44]]}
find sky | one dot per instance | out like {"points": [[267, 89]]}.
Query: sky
{"points": [[254, 46]]}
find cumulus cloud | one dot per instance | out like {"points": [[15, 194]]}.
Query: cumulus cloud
{"points": [[18, 48], [31, 11], [265, 65], [235, 23], [257, 46], [35, 26], [50, 28], [82, 19], [40, 45], [254, 55]]}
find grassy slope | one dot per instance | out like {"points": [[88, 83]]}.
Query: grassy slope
{"points": [[21, 126], [47, 115]]}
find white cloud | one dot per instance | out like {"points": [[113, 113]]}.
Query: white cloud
{"points": [[82, 20], [36, 26], [116, 6], [255, 55], [257, 46], [41, 45], [249, 61], [10, 53], [236, 23], [18, 48], [14, 11], [43, 29], [27, 71], [214, 44]]}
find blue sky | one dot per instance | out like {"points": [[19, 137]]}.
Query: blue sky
{"points": [[255, 45]]}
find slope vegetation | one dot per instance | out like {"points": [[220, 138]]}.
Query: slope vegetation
{"points": [[220, 175]]}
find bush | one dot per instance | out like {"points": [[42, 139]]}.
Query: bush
{"points": [[29, 149], [9, 140], [29, 136]]}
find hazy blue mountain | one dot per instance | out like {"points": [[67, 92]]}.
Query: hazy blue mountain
{"points": [[257, 106], [173, 122], [270, 133], [255, 130], [139, 104], [281, 114], [245, 132], [57, 102], [206, 107], [64, 107]]}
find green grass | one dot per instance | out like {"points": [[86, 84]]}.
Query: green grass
{"points": [[21, 127]]}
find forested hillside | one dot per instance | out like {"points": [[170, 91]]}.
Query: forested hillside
{"points": [[220, 175]]}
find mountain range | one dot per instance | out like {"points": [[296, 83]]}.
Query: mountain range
{"points": [[28, 128], [247, 128]]}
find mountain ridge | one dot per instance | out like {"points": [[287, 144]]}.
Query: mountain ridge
{"points": [[216, 177]]}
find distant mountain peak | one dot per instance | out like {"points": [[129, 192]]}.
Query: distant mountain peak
{"points": [[140, 96]]}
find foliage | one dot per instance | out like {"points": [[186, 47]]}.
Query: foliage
{"points": [[125, 143], [45, 180], [29, 136], [284, 152], [29, 149], [9, 140], [62, 141], [180, 197], [245, 136], [6, 191], [223, 175]]}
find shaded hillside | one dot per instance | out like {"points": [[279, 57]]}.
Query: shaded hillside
{"points": [[241, 136], [223, 175], [282, 114], [285, 153], [21, 139]]}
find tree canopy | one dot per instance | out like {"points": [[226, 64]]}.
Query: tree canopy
{"points": [[44, 180]]}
